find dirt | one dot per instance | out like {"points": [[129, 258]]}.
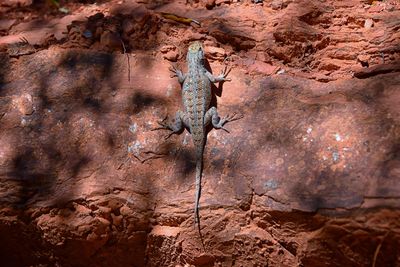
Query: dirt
{"points": [[309, 176]]}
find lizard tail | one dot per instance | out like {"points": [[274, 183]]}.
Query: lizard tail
{"points": [[199, 166]]}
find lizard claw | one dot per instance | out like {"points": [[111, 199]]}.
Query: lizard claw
{"points": [[224, 73], [175, 71], [233, 117], [163, 125], [168, 135], [222, 127]]}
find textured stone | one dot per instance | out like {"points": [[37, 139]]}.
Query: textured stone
{"points": [[5, 24], [369, 23], [24, 104], [171, 55], [210, 4], [15, 3], [309, 176], [111, 41], [215, 52]]}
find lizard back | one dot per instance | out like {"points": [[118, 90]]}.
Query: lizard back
{"points": [[196, 95]]}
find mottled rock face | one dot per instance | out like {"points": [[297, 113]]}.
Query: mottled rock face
{"points": [[309, 176]]}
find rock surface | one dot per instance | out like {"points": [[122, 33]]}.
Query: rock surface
{"points": [[309, 177]]}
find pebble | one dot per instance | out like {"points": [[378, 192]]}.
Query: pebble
{"points": [[368, 24], [125, 211], [24, 104]]}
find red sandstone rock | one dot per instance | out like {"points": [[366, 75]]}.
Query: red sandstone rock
{"points": [[215, 52], [111, 40], [15, 3], [210, 4], [24, 104], [261, 67], [308, 177]]}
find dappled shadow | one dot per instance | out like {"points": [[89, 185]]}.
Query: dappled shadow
{"points": [[34, 182], [187, 162], [319, 151], [79, 131], [141, 100], [322, 149], [215, 91], [326, 152], [21, 237], [73, 100], [4, 71]]}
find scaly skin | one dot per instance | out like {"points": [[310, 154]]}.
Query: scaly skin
{"points": [[196, 98]]}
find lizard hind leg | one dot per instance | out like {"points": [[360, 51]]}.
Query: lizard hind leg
{"points": [[175, 126], [218, 123]]}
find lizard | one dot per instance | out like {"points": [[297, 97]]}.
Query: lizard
{"points": [[196, 114]]}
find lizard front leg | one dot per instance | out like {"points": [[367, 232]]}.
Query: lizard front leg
{"points": [[218, 123], [175, 126], [177, 73], [220, 78]]}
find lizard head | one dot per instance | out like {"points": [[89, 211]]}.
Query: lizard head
{"points": [[195, 53]]}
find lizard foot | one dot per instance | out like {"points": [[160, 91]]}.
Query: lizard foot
{"points": [[175, 71], [228, 118], [164, 126], [224, 74]]}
